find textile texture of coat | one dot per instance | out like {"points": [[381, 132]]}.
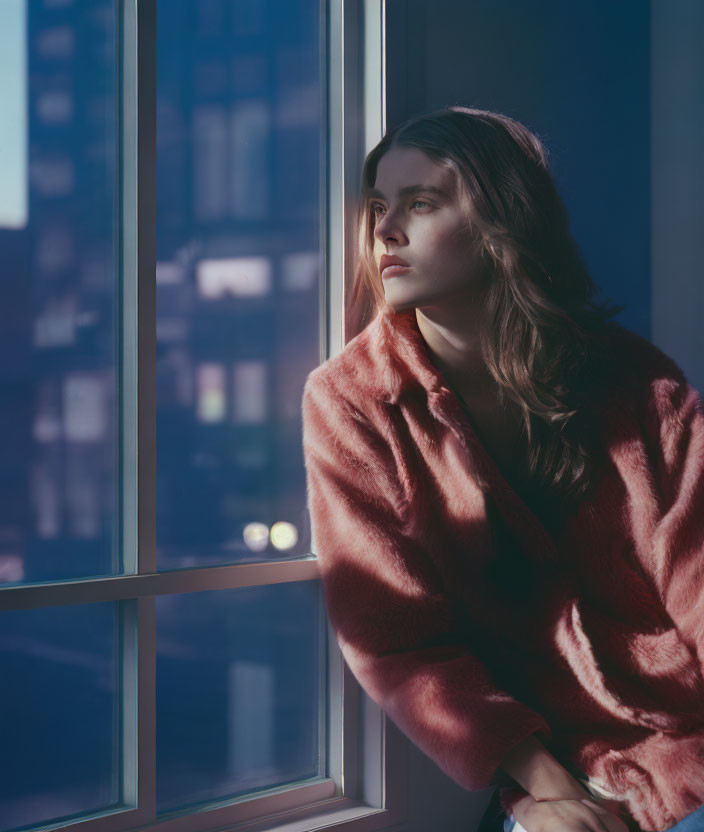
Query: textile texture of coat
{"points": [[474, 627]]}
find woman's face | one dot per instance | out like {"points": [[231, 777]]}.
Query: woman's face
{"points": [[427, 229]]}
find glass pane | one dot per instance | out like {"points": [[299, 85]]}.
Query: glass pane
{"points": [[58, 233], [238, 703], [239, 124], [59, 700]]}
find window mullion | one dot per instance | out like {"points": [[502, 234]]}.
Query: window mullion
{"points": [[138, 646], [140, 721], [146, 286]]}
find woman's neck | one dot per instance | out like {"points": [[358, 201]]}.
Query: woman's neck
{"points": [[452, 341]]}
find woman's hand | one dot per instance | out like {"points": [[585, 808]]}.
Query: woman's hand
{"points": [[565, 815]]}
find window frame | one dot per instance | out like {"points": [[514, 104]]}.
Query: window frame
{"points": [[367, 784]]}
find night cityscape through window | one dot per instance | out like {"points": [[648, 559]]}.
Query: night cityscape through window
{"points": [[238, 236]]}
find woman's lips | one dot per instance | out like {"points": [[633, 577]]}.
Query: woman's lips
{"points": [[393, 270]]}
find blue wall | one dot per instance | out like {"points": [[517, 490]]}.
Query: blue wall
{"points": [[578, 74]]}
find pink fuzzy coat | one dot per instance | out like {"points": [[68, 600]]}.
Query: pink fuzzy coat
{"points": [[592, 637]]}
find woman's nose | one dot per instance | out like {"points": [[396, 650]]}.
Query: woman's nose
{"points": [[388, 228]]}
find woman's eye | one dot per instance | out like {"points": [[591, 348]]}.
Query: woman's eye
{"points": [[377, 209]]}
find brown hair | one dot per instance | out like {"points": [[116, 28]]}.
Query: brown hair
{"points": [[542, 335]]}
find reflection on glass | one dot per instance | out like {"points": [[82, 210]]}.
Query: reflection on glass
{"points": [[13, 116], [58, 236], [59, 700], [238, 674], [239, 125]]}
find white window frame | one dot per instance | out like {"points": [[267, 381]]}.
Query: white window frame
{"points": [[366, 786]]}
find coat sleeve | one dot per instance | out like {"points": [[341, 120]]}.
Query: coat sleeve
{"points": [[395, 627], [677, 423]]}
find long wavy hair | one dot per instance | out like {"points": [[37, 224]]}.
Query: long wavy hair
{"points": [[543, 336]]}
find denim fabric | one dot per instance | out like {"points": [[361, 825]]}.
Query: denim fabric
{"points": [[509, 824], [693, 822], [512, 825]]}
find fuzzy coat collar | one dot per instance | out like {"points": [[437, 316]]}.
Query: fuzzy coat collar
{"points": [[391, 362], [403, 357]]}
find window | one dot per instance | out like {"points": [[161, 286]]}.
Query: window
{"points": [[174, 232]]}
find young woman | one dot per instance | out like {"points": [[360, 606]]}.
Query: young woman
{"points": [[506, 491]]}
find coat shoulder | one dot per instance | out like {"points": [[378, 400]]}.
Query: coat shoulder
{"points": [[635, 352], [641, 370], [648, 383]]}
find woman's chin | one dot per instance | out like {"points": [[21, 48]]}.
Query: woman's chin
{"points": [[400, 301], [405, 297]]}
